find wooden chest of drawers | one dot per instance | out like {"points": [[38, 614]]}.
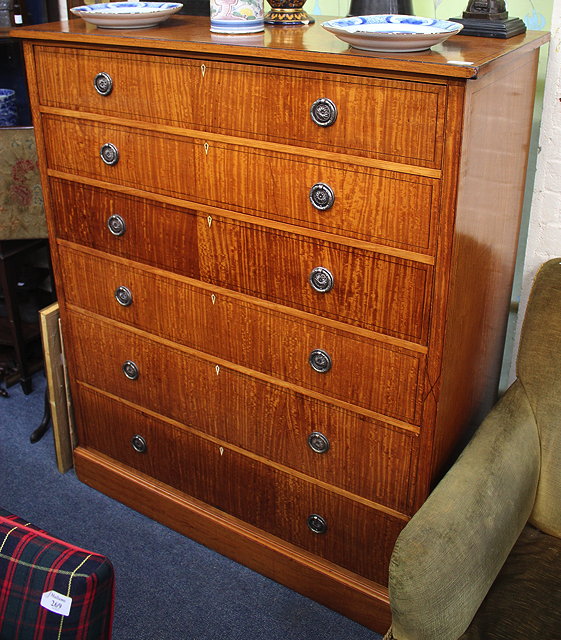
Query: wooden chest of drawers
{"points": [[284, 270]]}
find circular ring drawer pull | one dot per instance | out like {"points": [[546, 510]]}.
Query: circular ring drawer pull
{"points": [[321, 279], [103, 84], [320, 361], [130, 370], [317, 524], [322, 196], [318, 443], [123, 296], [116, 225], [323, 112], [109, 154], [139, 444]]}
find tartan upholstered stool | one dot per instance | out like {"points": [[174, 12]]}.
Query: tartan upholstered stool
{"points": [[50, 589]]}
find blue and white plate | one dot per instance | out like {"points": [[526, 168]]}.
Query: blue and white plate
{"points": [[126, 15], [392, 32]]}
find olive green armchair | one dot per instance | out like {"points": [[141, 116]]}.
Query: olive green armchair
{"points": [[481, 559]]}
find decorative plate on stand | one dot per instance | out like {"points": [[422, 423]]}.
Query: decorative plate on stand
{"points": [[392, 32], [126, 15]]}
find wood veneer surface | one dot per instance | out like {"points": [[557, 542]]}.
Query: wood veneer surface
{"points": [[457, 57], [410, 119]]}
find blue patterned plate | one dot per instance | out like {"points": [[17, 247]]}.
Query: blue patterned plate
{"points": [[126, 15], [392, 32]]}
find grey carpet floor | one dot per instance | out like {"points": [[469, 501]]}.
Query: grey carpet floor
{"points": [[167, 586]]}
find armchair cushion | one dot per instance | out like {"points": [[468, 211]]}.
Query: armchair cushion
{"points": [[449, 554], [525, 599]]}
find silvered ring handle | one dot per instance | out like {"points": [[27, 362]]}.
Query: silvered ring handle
{"points": [[139, 444], [317, 523], [109, 153], [320, 361], [116, 224], [323, 112], [103, 84], [321, 279], [130, 370], [318, 443], [123, 296], [322, 196]]}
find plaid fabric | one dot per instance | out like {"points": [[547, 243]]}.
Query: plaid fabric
{"points": [[33, 563]]}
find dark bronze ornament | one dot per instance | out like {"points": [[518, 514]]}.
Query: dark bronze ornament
{"points": [[489, 18], [486, 10]]}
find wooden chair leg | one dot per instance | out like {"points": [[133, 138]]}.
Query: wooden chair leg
{"points": [[43, 427]]}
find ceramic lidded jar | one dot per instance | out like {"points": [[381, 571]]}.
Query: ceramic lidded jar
{"points": [[8, 109], [236, 16]]}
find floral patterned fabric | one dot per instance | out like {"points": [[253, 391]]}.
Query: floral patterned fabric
{"points": [[21, 199]]}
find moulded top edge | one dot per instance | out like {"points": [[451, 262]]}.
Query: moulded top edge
{"points": [[458, 57]]}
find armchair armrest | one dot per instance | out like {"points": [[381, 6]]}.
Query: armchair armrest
{"points": [[447, 557]]}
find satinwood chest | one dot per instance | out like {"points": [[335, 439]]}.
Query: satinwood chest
{"points": [[284, 271]]}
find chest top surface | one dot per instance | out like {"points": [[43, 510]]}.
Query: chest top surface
{"points": [[458, 57]]}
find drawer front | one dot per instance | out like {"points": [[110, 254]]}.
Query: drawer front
{"points": [[364, 372], [361, 288], [364, 457], [390, 119], [243, 486], [153, 233], [101, 349], [364, 289], [367, 204], [359, 455]]}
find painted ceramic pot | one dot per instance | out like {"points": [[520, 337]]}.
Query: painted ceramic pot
{"points": [[288, 12], [8, 110], [6, 15], [236, 16]]}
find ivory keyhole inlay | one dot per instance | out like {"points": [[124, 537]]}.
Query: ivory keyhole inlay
{"points": [[203, 69]]}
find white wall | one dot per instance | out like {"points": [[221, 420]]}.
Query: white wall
{"points": [[544, 231]]}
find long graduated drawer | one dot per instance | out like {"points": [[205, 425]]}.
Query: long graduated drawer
{"points": [[139, 87], [310, 192]]}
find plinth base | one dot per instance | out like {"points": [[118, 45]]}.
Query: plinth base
{"points": [[288, 17], [491, 28]]}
